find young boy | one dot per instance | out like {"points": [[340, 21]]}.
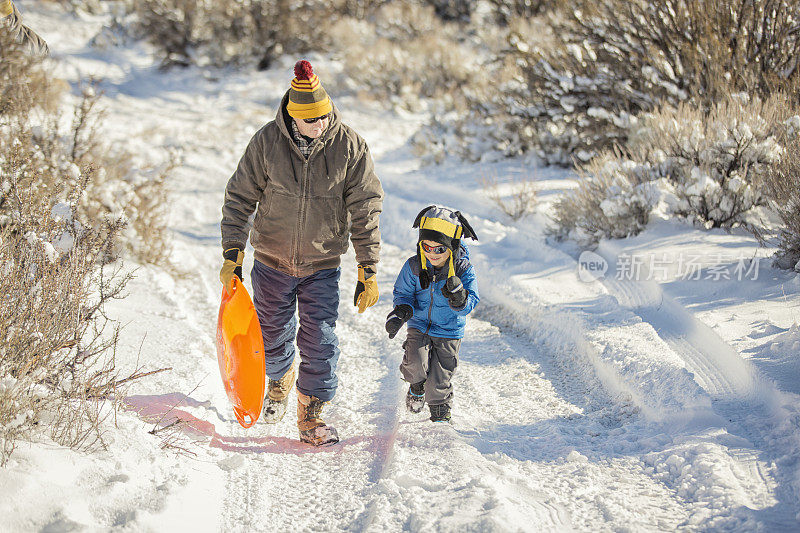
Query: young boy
{"points": [[434, 293]]}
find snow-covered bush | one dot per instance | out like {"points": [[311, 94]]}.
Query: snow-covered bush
{"points": [[405, 54], [57, 156], [56, 363], [222, 33], [712, 167], [782, 187], [61, 217], [614, 59], [613, 199], [716, 160]]}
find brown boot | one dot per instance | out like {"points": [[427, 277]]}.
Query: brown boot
{"points": [[278, 397], [313, 429]]}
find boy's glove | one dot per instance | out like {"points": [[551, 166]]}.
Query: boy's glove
{"points": [[231, 267], [366, 288], [399, 316], [455, 292]]}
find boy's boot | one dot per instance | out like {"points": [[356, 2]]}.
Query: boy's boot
{"points": [[440, 413], [313, 429], [415, 397], [278, 397]]}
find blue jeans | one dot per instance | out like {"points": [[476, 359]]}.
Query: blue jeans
{"points": [[316, 297]]}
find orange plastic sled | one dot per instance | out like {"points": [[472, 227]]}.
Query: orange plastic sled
{"points": [[240, 351]]}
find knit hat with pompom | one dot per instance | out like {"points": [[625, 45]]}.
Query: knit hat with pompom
{"points": [[307, 98]]}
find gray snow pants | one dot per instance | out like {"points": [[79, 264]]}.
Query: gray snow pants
{"points": [[433, 359]]}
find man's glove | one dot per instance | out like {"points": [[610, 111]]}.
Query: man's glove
{"points": [[231, 267], [455, 292], [399, 316], [366, 288]]}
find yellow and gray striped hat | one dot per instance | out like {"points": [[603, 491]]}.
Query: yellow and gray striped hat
{"points": [[307, 97]]}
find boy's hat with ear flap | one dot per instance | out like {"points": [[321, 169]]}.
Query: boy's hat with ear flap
{"points": [[442, 225]]}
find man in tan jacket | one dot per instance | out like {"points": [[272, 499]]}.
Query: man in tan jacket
{"points": [[311, 183], [12, 18]]}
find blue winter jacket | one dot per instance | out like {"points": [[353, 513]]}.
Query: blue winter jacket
{"points": [[432, 312]]}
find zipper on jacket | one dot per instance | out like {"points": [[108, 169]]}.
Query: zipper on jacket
{"points": [[301, 212], [430, 307], [304, 196]]}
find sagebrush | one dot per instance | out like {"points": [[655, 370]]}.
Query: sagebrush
{"points": [[713, 167], [58, 235], [248, 32], [715, 160], [613, 199], [614, 59], [782, 187], [56, 357]]}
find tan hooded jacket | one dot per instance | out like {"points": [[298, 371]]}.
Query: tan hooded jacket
{"points": [[305, 209]]}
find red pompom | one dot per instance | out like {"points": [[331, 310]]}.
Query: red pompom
{"points": [[302, 70]]}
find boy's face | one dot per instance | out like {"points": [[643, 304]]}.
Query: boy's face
{"points": [[436, 260]]}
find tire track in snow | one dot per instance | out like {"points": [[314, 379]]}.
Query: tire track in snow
{"points": [[748, 404], [504, 465], [717, 366]]}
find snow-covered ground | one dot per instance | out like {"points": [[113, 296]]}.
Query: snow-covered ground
{"points": [[638, 400]]}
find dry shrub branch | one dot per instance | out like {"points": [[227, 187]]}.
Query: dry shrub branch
{"points": [[57, 347], [782, 187], [256, 32], [516, 199], [617, 58]]}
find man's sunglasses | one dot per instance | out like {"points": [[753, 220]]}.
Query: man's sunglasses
{"points": [[434, 249], [313, 120]]}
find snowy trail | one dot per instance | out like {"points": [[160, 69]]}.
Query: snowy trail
{"points": [[391, 470], [579, 406], [542, 427]]}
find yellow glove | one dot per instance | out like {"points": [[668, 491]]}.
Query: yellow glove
{"points": [[6, 8], [366, 288], [231, 267]]}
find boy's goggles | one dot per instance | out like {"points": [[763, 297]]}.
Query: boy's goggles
{"points": [[434, 249]]}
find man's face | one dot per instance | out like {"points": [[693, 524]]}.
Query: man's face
{"points": [[436, 259], [314, 129]]}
